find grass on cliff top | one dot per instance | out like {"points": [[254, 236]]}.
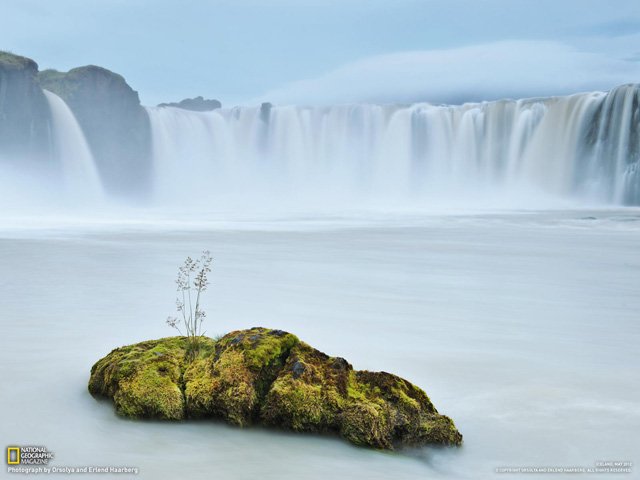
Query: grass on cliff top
{"points": [[50, 74], [67, 84], [77, 74], [10, 60], [54, 81]]}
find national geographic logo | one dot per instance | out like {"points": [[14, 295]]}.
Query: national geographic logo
{"points": [[34, 460], [13, 455], [28, 456]]}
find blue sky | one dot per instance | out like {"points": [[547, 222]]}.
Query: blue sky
{"points": [[330, 51]]}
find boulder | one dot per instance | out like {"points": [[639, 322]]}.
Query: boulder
{"points": [[269, 377]]}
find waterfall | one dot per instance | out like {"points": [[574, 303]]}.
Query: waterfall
{"points": [[80, 174], [585, 146]]}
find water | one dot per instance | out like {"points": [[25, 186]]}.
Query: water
{"points": [[480, 251], [584, 146], [522, 326], [80, 174]]}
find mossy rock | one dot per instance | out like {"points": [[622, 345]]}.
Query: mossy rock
{"points": [[269, 377], [145, 380]]}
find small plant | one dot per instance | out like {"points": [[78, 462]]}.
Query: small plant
{"points": [[191, 276]]}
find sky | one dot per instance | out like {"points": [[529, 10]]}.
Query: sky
{"points": [[243, 52]]}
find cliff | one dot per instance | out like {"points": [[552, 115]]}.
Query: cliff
{"points": [[115, 124], [24, 111]]}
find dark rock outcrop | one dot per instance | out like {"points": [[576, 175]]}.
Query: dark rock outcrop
{"points": [[115, 124], [265, 111], [24, 112], [269, 377], [197, 104]]}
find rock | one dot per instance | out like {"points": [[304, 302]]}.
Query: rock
{"points": [[262, 376], [298, 369], [116, 126], [24, 112], [265, 111], [197, 104]]}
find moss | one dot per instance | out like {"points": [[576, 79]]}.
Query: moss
{"points": [[435, 429], [301, 406], [405, 410], [223, 388], [367, 424], [232, 382], [270, 377], [152, 393], [315, 392], [309, 392], [362, 391], [199, 387], [266, 347], [145, 379]]}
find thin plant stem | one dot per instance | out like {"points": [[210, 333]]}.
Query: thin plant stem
{"points": [[194, 317]]}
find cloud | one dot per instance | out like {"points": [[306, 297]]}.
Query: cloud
{"points": [[510, 69]]}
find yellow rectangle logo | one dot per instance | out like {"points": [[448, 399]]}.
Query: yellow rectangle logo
{"points": [[17, 455]]}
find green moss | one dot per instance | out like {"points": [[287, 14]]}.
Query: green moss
{"points": [[410, 416], [199, 387], [315, 392], [270, 377], [145, 379], [367, 424], [309, 392], [222, 388], [233, 381], [265, 348], [152, 393], [361, 391], [301, 407], [436, 429]]}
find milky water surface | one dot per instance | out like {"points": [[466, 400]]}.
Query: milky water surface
{"points": [[522, 327]]}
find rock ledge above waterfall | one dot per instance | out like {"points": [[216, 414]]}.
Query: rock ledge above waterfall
{"points": [[269, 377], [197, 104]]}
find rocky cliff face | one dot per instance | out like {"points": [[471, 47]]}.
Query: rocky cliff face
{"points": [[115, 124], [24, 111]]}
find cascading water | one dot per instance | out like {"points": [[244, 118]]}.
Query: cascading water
{"points": [[80, 174], [584, 145]]}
